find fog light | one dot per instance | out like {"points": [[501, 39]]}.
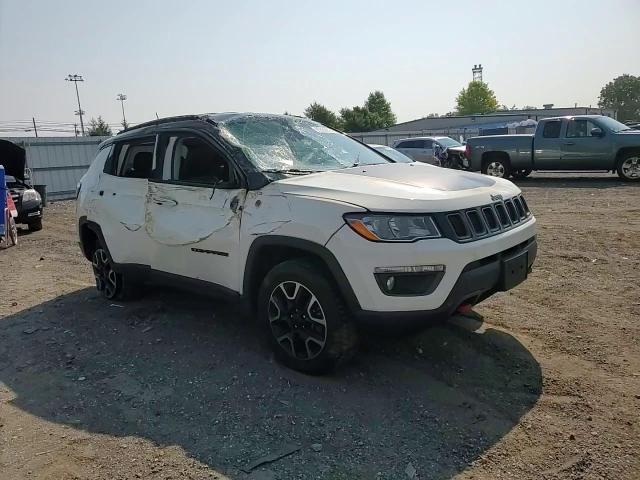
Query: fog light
{"points": [[410, 269], [391, 282]]}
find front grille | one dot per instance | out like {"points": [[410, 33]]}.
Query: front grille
{"points": [[484, 221], [511, 209], [476, 222], [459, 226]]}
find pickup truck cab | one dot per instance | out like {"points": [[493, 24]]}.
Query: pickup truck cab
{"points": [[312, 229], [584, 142]]}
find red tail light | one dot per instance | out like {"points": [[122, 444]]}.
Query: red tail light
{"points": [[467, 150]]}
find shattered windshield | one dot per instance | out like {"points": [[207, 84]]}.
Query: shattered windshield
{"points": [[294, 144]]}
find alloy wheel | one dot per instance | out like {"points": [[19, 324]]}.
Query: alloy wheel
{"points": [[297, 320], [496, 169], [106, 277], [631, 167]]}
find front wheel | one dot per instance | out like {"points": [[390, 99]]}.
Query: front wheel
{"points": [[629, 167], [496, 167], [111, 284], [36, 225], [307, 323]]}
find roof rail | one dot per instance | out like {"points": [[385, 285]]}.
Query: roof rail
{"points": [[160, 121]]}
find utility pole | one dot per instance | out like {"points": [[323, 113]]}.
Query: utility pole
{"points": [[75, 79], [121, 97], [35, 129]]}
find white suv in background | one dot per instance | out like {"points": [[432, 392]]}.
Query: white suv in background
{"points": [[420, 149], [315, 231]]}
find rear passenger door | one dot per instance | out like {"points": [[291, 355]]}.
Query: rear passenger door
{"points": [[120, 199], [193, 212], [547, 145], [419, 150]]}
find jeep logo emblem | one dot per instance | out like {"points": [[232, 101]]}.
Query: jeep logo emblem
{"points": [[497, 197]]}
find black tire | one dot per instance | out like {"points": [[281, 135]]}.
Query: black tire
{"points": [[12, 232], [35, 226], [294, 321], [628, 167], [521, 173], [497, 164], [111, 284]]}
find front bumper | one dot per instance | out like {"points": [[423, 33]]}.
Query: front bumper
{"points": [[29, 212], [478, 281], [472, 270]]}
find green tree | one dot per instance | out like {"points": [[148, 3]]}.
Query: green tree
{"points": [[380, 110], [356, 119], [375, 114], [623, 95], [99, 128], [323, 115], [476, 98]]}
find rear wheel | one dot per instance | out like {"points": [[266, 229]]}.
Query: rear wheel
{"points": [[111, 284], [629, 167], [307, 323], [496, 166]]}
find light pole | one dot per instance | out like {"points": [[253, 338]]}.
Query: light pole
{"points": [[75, 79], [122, 97]]}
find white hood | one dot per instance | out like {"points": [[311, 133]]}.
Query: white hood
{"points": [[401, 187]]}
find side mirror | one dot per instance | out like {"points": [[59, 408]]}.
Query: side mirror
{"points": [[597, 132]]}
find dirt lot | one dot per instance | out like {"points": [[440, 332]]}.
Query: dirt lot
{"points": [[179, 386]]}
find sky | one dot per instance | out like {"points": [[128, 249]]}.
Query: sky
{"points": [[193, 56]]}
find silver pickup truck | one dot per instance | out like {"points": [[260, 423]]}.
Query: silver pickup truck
{"points": [[584, 142]]}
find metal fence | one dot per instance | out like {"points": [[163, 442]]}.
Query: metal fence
{"points": [[58, 162], [387, 138]]}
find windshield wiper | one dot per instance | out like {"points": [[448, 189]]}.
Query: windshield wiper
{"points": [[293, 171]]}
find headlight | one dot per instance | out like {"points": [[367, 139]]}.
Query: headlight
{"points": [[392, 227], [29, 195]]}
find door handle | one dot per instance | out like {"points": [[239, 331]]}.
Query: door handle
{"points": [[163, 201], [569, 143]]}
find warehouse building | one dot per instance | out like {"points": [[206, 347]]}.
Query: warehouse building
{"points": [[493, 121]]}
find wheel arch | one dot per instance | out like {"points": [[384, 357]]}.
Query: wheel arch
{"points": [[90, 234], [622, 152], [495, 154], [268, 251]]}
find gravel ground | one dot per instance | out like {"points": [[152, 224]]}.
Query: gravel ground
{"points": [[180, 386]]}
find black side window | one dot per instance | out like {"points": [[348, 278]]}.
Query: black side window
{"points": [[412, 144], [552, 129], [579, 128], [134, 159], [428, 144], [193, 160]]}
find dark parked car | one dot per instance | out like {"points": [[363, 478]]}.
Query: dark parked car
{"points": [[27, 200]]}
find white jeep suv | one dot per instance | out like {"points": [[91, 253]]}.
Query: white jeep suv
{"points": [[317, 232]]}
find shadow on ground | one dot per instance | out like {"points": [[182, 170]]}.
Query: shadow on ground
{"points": [[183, 370]]}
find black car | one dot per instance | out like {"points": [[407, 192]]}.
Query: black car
{"points": [[28, 201]]}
